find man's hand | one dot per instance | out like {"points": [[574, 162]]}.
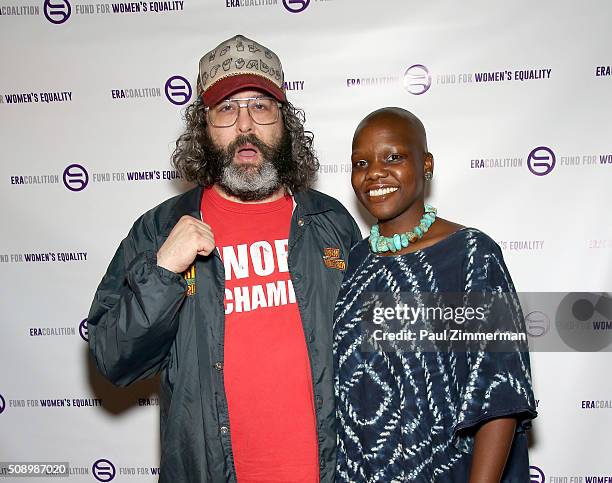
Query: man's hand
{"points": [[189, 237]]}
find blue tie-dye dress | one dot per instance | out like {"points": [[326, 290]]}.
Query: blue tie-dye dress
{"points": [[411, 415]]}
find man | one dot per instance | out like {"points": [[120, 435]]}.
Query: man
{"points": [[228, 290]]}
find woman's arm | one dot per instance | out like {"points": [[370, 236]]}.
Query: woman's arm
{"points": [[491, 447]]}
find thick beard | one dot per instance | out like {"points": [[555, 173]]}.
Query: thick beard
{"points": [[254, 183]]}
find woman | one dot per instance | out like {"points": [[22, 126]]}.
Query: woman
{"points": [[420, 415]]}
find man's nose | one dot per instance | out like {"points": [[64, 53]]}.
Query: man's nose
{"points": [[244, 122]]}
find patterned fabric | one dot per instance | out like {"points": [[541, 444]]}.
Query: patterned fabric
{"points": [[410, 416]]}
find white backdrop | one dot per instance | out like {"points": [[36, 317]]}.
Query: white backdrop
{"points": [[89, 96]]}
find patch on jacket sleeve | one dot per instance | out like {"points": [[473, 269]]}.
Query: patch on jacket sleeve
{"points": [[331, 258], [189, 276]]}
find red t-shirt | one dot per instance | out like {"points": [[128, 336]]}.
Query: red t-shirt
{"points": [[267, 373]]}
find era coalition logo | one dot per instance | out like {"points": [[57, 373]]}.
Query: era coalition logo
{"points": [[103, 470], [537, 323], [541, 160], [417, 79], [536, 475], [2, 404], [178, 90], [57, 11], [75, 177], [83, 331], [296, 6]]}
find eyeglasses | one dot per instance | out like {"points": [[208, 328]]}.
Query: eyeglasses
{"points": [[263, 110]]}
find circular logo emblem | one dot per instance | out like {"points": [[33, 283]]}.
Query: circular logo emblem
{"points": [[75, 177], [537, 323], [536, 475], [541, 161], [296, 6], [2, 404], [178, 90], [83, 330], [103, 470], [57, 11], [417, 79], [584, 321]]}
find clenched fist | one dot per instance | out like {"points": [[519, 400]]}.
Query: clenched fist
{"points": [[189, 237]]}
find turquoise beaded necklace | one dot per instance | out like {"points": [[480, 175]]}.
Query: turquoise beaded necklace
{"points": [[380, 243]]}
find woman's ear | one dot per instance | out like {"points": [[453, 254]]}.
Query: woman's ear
{"points": [[428, 163]]}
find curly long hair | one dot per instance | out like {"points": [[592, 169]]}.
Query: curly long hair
{"points": [[196, 158]]}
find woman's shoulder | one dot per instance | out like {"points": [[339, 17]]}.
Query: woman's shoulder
{"points": [[483, 263], [447, 236], [472, 248], [457, 239], [478, 241]]}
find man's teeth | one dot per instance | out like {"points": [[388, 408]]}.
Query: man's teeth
{"points": [[382, 191]]}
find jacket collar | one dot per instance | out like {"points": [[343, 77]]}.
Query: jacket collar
{"points": [[186, 204], [309, 202]]}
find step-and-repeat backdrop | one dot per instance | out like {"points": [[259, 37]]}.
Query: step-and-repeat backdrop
{"points": [[517, 101]]}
